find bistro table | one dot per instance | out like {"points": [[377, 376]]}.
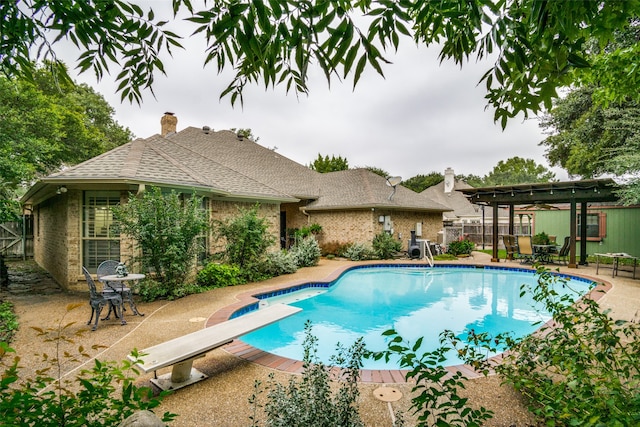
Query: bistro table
{"points": [[616, 258], [543, 253], [108, 281]]}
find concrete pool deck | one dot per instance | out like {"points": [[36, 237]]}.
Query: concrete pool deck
{"points": [[221, 400]]}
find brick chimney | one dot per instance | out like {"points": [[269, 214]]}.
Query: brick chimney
{"points": [[168, 123]]}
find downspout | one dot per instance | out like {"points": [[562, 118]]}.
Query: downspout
{"points": [[304, 212]]}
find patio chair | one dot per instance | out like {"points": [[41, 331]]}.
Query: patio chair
{"points": [[107, 268], [510, 246], [525, 250], [563, 253], [98, 301]]}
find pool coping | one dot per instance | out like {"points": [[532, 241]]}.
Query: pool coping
{"points": [[248, 301]]}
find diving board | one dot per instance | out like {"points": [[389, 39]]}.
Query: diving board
{"points": [[182, 351]]}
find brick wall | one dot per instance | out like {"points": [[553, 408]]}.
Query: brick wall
{"points": [[223, 210], [360, 226], [51, 235]]}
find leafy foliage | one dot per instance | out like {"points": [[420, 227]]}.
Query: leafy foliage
{"points": [[215, 275], [436, 399], [306, 252], [166, 227], [246, 236], [460, 247], [582, 369], [46, 125], [357, 252], [535, 46], [311, 401], [419, 183], [517, 170], [279, 263], [326, 164], [378, 171], [103, 395], [8, 321], [385, 246]]}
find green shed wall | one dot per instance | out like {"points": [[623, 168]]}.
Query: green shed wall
{"points": [[622, 228]]}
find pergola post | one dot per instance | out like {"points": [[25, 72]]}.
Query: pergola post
{"points": [[572, 234], [494, 237], [583, 233]]}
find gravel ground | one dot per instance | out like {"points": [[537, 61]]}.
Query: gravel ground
{"points": [[222, 399]]}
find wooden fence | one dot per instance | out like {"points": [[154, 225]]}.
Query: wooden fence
{"points": [[473, 232], [16, 238]]}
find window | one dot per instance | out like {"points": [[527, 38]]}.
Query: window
{"points": [[100, 236], [596, 226]]}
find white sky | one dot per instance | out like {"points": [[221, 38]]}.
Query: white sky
{"points": [[422, 117]]}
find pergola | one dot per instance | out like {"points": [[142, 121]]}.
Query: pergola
{"points": [[548, 193]]}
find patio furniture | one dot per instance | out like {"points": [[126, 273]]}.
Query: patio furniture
{"points": [[616, 262], [510, 245], [98, 301], [116, 284], [525, 250], [182, 351], [563, 253], [107, 268], [543, 253]]}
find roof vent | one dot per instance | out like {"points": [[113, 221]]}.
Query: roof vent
{"points": [[240, 136], [206, 129]]}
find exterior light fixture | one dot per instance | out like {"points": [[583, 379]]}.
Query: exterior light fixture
{"points": [[61, 189]]}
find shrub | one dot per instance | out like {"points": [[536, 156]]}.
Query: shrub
{"points": [[279, 263], [306, 252], [357, 252], [460, 247], [311, 401], [246, 236], [103, 395], [166, 227], [215, 275], [385, 246], [583, 370], [151, 290]]}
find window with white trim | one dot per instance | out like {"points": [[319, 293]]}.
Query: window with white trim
{"points": [[100, 235]]}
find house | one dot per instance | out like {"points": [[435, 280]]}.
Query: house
{"points": [[464, 217], [73, 224]]}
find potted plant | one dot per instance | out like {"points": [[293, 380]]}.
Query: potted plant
{"points": [[540, 239]]}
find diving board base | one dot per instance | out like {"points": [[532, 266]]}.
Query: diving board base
{"points": [[165, 382]]}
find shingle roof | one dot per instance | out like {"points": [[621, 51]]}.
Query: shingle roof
{"points": [[455, 200], [223, 164], [361, 188]]}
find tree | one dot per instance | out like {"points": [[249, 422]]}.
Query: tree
{"points": [[589, 139], [326, 164], [378, 171], [46, 125], [537, 46], [517, 170], [419, 183]]}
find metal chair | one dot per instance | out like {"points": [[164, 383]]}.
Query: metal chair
{"points": [[510, 246], [98, 301], [563, 253], [108, 268]]}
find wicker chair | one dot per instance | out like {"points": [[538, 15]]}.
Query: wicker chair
{"points": [[98, 301]]}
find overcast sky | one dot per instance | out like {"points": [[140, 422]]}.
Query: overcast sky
{"points": [[421, 117]]}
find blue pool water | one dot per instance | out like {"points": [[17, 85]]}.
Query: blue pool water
{"points": [[415, 301]]}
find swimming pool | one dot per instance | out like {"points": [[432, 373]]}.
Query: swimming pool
{"points": [[415, 301]]}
